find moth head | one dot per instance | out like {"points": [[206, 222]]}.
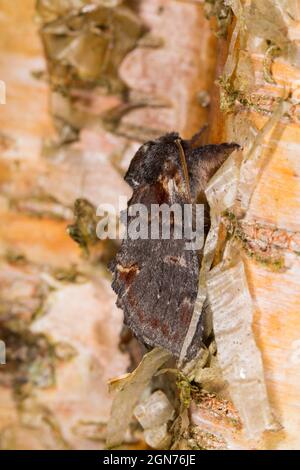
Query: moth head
{"points": [[148, 162]]}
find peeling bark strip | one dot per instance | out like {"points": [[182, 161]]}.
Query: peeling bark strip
{"points": [[129, 391], [239, 357]]}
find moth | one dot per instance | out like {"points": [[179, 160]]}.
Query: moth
{"points": [[156, 280]]}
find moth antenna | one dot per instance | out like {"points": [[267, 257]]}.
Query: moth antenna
{"points": [[196, 139], [184, 167]]}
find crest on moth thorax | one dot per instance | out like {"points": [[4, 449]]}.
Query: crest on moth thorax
{"points": [[156, 280]]}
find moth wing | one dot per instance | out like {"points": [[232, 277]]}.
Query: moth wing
{"points": [[157, 288]]}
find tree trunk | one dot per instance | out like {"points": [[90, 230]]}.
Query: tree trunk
{"points": [[63, 138]]}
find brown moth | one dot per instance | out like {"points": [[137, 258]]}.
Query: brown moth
{"points": [[156, 280]]}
